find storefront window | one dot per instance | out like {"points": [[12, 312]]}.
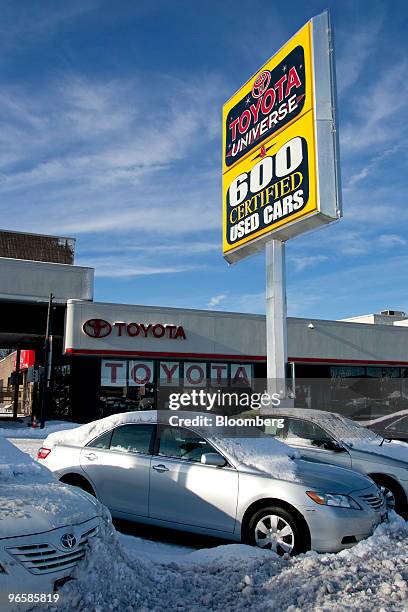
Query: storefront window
{"points": [[362, 392], [376, 372], [139, 384], [126, 385]]}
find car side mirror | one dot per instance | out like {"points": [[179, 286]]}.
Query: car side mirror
{"points": [[213, 459], [336, 447]]}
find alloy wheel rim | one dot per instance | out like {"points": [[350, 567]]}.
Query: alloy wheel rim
{"points": [[274, 533], [389, 497]]}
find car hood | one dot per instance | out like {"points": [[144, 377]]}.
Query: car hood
{"points": [[27, 509], [389, 453], [330, 478]]}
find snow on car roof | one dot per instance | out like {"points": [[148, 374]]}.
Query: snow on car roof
{"points": [[342, 428], [84, 433], [262, 452]]}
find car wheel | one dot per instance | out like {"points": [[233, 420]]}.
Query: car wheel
{"points": [[274, 528], [389, 497], [394, 498]]}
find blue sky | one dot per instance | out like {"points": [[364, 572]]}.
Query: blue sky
{"points": [[110, 132]]}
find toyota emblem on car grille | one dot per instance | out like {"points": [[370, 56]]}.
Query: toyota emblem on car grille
{"points": [[68, 540]]}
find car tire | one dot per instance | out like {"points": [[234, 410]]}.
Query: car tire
{"points": [[277, 529], [393, 495]]}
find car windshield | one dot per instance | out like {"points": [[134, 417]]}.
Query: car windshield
{"points": [[347, 430], [339, 427], [399, 425]]}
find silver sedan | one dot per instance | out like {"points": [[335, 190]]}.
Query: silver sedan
{"points": [[205, 480]]}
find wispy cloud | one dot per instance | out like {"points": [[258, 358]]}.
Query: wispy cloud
{"points": [[380, 112], [107, 160], [391, 240], [300, 263], [243, 302], [372, 165], [37, 19], [357, 47], [118, 268], [356, 289], [216, 300]]}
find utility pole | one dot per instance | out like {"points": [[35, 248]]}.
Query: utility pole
{"points": [[47, 365], [16, 386]]}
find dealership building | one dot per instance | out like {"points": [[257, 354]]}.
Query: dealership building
{"points": [[109, 357]]}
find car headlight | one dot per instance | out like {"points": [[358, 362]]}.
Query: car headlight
{"points": [[332, 499]]}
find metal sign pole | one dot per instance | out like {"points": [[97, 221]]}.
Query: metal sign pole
{"points": [[16, 385], [276, 328], [47, 365]]}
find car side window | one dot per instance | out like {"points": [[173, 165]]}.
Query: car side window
{"points": [[182, 444], [306, 433], [399, 425], [274, 430], [132, 438], [102, 441]]}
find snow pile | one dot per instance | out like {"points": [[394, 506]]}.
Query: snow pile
{"points": [[371, 576], [152, 550], [10, 429]]}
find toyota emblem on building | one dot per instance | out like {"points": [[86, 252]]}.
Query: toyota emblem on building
{"points": [[68, 540], [97, 328]]}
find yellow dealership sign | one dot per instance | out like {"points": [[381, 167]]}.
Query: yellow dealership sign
{"points": [[280, 152]]}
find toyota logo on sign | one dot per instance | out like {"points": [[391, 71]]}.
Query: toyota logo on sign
{"points": [[97, 328], [68, 540]]}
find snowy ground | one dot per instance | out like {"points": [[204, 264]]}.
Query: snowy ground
{"points": [[27, 445], [129, 573], [21, 429], [118, 575]]}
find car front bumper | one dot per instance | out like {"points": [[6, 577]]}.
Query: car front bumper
{"points": [[333, 529], [35, 564]]}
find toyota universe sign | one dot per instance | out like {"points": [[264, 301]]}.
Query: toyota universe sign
{"points": [[99, 328], [280, 171]]}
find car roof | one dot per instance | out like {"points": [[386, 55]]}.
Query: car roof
{"points": [[339, 426], [84, 433]]}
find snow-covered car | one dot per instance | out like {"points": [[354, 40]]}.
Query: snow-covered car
{"points": [[253, 489], [44, 527], [331, 438], [393, 426]]}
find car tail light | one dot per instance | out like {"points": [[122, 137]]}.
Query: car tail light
{"points": [[43, 453]]}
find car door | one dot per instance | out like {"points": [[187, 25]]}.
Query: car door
{"points": [[118, 465], [313, 442], [183, 490]]}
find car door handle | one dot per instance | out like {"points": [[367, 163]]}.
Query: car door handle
{"points": [[91, 456], [160, 468]]}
